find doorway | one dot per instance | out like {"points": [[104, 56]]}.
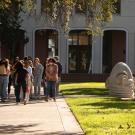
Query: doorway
{"points": [[114, 49], [80, 49], [46, 44]]}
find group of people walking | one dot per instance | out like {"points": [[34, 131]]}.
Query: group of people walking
{"points": [[27, 76]]}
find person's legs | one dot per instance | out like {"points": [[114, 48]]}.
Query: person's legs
{"points": [[1, 87], [9, 86], [35, 87], [38, 94], [17, 93], [9, 89], [39, 86], [35, 91], [30, 88], [48, 87], [24, 90], [44, 86], [25, 94], [5, 87], [53, 88]]}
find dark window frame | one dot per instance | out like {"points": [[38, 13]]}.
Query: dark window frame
{"points": [[78, 48], [78, 34]]}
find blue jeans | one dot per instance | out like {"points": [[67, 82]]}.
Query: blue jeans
{"points": [[44, 87], [3, 86], [37, 90], [51, 89], [37, 85]]}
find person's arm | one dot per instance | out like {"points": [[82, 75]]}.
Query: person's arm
{"points": [[8, 70], [16, 78], [42, 69], [46, 71]]}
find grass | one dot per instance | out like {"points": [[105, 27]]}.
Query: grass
{"points": [[92, 88], [100, 115]]}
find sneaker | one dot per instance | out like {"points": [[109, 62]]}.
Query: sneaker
{"points": [[54, 99], [8, 97], [17, 103], [39, 98], [35, 98], [25, 102], [3, 100], [46, 99]]}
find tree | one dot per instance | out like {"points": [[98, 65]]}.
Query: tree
{"points": [[10, 21], [97, 12]]}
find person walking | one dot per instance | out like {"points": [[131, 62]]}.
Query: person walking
{"points": [[4, 78], [10, 82], [59, 73], [44, 76], [51, 78], [21, 81], [37, 73], [29, 79]]}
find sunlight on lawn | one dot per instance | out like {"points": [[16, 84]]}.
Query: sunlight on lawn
{"points": [[100, 115], [104, 115], [88, 88], [65, 86]]}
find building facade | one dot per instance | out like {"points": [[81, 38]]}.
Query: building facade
{"points": [[79, 52]]}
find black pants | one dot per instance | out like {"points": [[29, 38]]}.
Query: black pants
{"points": [[18, 89]]}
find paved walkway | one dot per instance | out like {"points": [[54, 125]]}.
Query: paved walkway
{"points": [[38, 118]]}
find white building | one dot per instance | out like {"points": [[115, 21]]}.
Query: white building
{"points": [[80, 53]]}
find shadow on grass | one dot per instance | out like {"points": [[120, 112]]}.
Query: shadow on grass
{"points": [[110, 102], [86, 91]]}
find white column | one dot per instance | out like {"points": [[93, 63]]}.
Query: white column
{"points": [[97, 55], [63, 52], [28, 49], [130, 51]]}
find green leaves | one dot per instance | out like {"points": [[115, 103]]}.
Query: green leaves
{"points": [[97, 12], [10, 20]]}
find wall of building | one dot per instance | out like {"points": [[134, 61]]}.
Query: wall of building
{"points": [[125, 21]]}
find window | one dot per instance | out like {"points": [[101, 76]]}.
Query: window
{"points": [[80, 50], [83, 38], [52, 43], [79, 37]]}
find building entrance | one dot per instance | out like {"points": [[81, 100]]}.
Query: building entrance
{"points": [[46, 44], [80, 49], [114, 49]]}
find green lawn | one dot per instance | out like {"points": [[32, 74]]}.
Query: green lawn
{"points": [[100, 115], [92, 88]]}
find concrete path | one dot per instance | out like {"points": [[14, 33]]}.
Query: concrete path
{"points": [[38, 118]]}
